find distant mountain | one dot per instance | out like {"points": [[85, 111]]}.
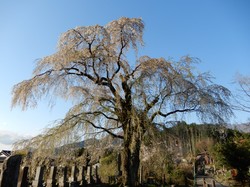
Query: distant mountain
{"points": [[243, 127]]}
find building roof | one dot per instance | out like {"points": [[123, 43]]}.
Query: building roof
{"points": [[5, 153]]}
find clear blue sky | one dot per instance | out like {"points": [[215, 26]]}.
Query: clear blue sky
{"points": [[216, 31]]}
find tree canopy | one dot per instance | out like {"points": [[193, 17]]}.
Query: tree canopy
{"points": [[115, 96]]}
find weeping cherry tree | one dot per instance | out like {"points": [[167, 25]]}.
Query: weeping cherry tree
{"points": [[114, 96]]}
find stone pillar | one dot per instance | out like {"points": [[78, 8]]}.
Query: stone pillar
{"points": [[10, 171], [23, 177], [73, 180], [51, 181], [62, 179], [38, 182], [80, 177], [96, 176], [89, 178]]}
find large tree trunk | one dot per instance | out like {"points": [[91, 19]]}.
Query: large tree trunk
{"points": [[131, 155]]}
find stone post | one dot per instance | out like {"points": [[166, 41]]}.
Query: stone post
{"points": [[96, 176], [80, 177], [23, 177], [10, 171], [62, 180], [38, 182], [73, 179], [89, 178], [51, 181]]}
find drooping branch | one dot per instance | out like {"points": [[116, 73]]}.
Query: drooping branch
{"points": [[96, 113], [176, 111], [107, 130], [171, 113]]}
